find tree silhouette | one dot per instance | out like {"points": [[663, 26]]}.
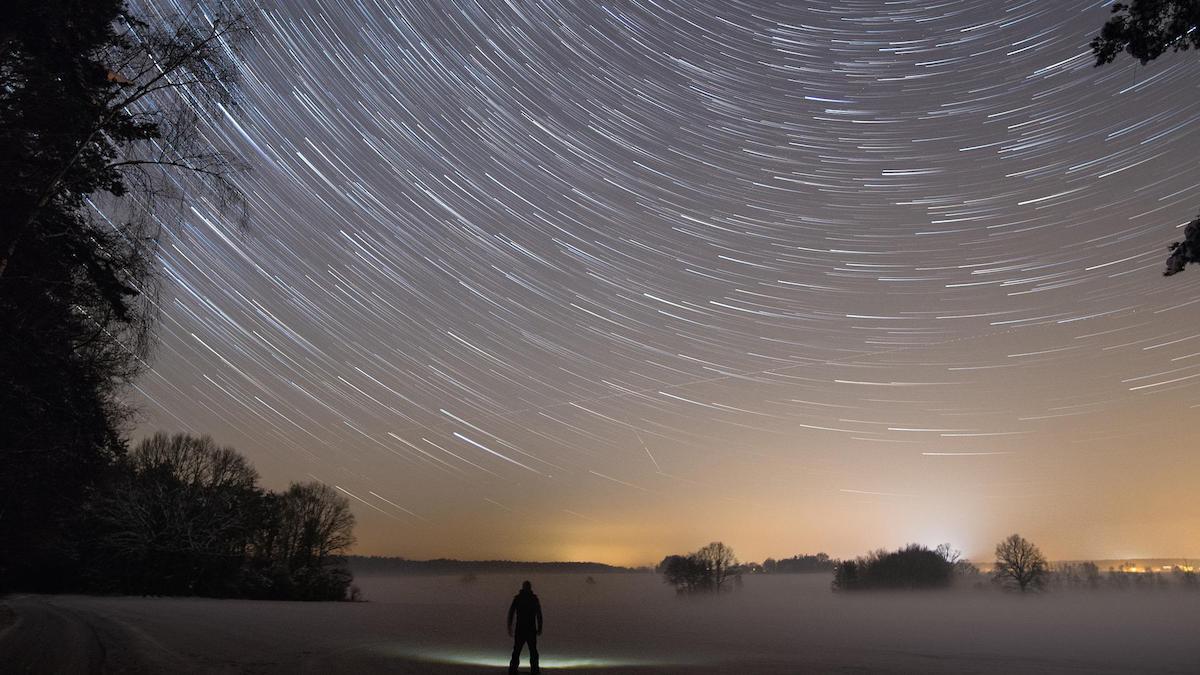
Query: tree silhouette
{"points": [[1019, 562], [1186, 251], [719, 563], [98, 100], [708, 569], [912, 567], [315, 528], [1147, 29], [97, 108], [685, 572], [181, 520], [186, 517]]}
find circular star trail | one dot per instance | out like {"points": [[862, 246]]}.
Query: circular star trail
{"points": [[607, 280]]}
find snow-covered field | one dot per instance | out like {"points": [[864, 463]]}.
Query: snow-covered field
{"points": [[633, 623]]}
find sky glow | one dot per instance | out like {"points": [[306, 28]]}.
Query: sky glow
{"points": [[608, 281]]}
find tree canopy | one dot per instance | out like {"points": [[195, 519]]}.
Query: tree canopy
{"points": [[1019, 563], [1147, 29]]}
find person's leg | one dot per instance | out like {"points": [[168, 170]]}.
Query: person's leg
{"points": [[533, 654], [515, 662]]}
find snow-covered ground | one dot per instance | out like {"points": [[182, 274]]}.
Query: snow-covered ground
{"points": [[633, 623]]}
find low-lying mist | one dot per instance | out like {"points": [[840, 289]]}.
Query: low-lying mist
{"points": [[634, 623], [777, 620]]}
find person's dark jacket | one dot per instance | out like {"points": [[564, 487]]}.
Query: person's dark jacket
{"points": [[528, 612]]}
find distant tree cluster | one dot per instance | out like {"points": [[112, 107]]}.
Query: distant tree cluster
{"points": [[1019, 565], [709, 569], [184, 516], [799, 564], [1132, 578], [911, 567], [1188, 578], [1074, 576], [1087, 576]]}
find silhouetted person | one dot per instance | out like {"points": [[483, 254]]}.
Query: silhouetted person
{"points": [[527, 611]]}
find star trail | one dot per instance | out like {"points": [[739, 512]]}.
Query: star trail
{"points": [[569, 280]]}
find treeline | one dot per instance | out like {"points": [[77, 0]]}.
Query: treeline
{"points": [[797, 564], [1019, 566], [180, 515], [712, 568], [1088, 576], [364, 565]]}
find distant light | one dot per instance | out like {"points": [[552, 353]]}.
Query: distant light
{"points": [[963, 454]]}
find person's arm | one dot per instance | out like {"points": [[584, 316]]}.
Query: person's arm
{"points": [[539, 617], [512, 609]]}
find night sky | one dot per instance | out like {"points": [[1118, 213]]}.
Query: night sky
{"points": [[609, 281]]}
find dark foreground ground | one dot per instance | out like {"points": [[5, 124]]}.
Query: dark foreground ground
{"points": [[619, 624]]}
